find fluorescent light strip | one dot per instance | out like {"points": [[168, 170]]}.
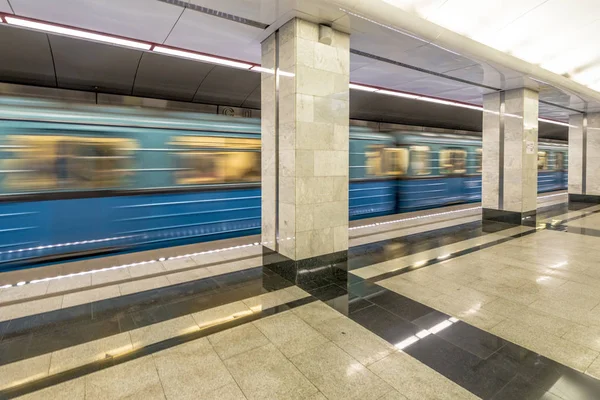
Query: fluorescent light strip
{"points": [[362, 87], [398, 94], [201, 57], [549, 121], [76, 33]]}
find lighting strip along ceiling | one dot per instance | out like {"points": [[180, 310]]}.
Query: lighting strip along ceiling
{"points": [[212, 59]]}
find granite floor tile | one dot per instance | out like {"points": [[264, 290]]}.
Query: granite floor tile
{"points": [[79, 355], [400, 305], [137, 379], [289, 333], [237, 340], [24, 371], [143, 285], [339, 376], [415, 380], [178, 263], [409, 289], [146, 269], [219, 315], [585, 336], [356, 340], [276, 298], [571, 354], [594, 368], [23, 292], [228, 392], [265, 373], [89, 296], [72, 390], [164, 330], [191, 370], [316, 313], [394, 395], [32, 307], [70, 283], [116, 275], [188, 276]]}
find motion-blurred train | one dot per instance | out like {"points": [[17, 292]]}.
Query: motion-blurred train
{"points": [[85, 179]]}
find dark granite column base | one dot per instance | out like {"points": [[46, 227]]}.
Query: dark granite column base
{"points": [[584, 198], [310, 272], [490, 218]]}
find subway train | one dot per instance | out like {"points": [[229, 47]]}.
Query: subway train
{"points": [[79, 180]]}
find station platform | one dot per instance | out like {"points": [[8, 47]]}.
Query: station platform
{"points": [[430, 306]]}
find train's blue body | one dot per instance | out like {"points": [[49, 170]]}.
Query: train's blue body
{"points": [[89, 179]]}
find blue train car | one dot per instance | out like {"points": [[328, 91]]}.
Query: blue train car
{"points": [[93, 178], [372, 192]]}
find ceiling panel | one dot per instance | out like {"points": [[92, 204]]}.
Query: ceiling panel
{"points": [[169, 77], [376, 107], [86, 65], [227, 86], [5, 7], [253, 99], [142, 19], [265, 11], [208, 34], [25, 57], [379, 73]]}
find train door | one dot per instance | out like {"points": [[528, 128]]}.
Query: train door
{"points": [[453, 164], [559, 166]]}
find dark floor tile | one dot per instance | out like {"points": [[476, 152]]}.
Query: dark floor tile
{"points": [[274, 282], [520, 388], [400, 305], [474, 340], [151, 315], [365, 288], [430, 319], [479, 376], [356, 303], [328, 292], [47, 320], [384, 324]]}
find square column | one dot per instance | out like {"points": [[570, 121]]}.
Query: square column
{"points": [[584, 158], [305, 138], [510, 147]]}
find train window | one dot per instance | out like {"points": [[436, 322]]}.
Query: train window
{"points": [[479, 160], [395, 161], [542, 160], [373, 160], [420, 162], [453, 161], [559, 163], [211, 159], [40, 162]]}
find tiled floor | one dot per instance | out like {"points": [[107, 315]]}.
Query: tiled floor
{"points": [[446, 311]]}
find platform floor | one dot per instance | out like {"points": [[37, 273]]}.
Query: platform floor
{"points": [[432, 307]]}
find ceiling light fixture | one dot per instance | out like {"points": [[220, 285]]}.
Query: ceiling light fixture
{"points": [[397, 94], [551, 121], [79, 33], [201, 57], [364, 88]]}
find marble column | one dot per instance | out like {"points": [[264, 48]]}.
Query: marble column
{"points": [[305, 116], [510, 146], [584, 158]]}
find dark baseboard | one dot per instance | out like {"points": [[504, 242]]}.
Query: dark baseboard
{"points": [[492, 217], [310, 271], [584, 198]]}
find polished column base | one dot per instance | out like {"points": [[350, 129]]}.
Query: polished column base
{"points": [[310, 271], [584, 198], [490, 217]]}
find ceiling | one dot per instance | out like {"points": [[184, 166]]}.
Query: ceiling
{"points": [[234, 28], [558, 35]]}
